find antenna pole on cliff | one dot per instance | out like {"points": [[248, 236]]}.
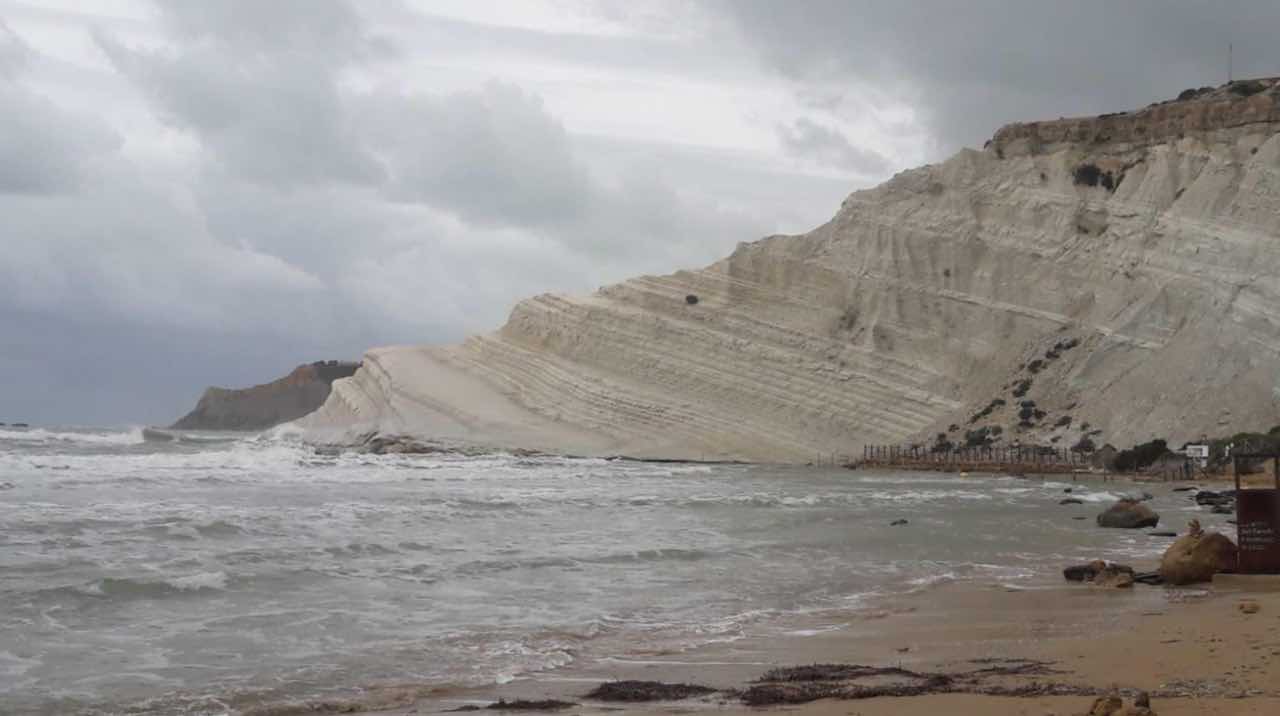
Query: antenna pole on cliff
{"points": [[1229, 48]]}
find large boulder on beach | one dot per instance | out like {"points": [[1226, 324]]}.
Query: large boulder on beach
{"points": [[1196, 557], [1128, 514]]}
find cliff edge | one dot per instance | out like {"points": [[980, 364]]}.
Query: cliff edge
{"points": [[1114, 278], [269, 404]]}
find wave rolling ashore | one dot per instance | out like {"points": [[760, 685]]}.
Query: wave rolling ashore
{"points": [[260, 576]]}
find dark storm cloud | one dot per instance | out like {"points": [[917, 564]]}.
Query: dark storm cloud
{"points": [[972, 66], [826, 145], [260, 89], [493, 156], [43, 148]]}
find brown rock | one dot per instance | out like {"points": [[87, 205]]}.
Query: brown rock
{"points": [[1106, 706], [1197, 557], [1250, 607], [263, 406], [1113, 577], [1128, 514], [1100, 570]]}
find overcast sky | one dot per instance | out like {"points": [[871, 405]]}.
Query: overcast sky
{"points": [[196, 193]]}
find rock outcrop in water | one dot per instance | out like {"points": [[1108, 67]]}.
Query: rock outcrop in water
{"points": [[267, 405], [1111, 278]]}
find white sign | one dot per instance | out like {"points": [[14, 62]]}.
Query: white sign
{"points": [[1197, 451]]}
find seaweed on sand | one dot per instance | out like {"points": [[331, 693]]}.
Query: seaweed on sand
{"points": [[801, 684], [637, 691], [522, 705]]}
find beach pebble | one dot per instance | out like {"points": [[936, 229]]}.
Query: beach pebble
{"points": [[896, 523], [1250, 607]]}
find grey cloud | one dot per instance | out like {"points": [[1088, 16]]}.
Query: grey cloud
{"points": [[828, 146], [43, 148], [491, 156], [324, 31], [13, 51], [259, 89], [973, 66], [308, 218]]}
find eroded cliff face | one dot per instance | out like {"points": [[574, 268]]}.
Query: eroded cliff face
{"points": [[262, 406], [1120, 273]]}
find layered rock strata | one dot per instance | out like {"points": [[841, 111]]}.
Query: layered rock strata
{"points": [[1113, 278]]}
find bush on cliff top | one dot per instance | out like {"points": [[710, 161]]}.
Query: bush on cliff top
{"points": [[1247, 88]]}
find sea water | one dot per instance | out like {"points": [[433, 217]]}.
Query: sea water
{"points": [[195, 578]]}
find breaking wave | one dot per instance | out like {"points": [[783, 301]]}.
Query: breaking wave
{"points": [[133, 436]]}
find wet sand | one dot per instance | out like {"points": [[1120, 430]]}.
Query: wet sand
{"points": [[1193, 649]]}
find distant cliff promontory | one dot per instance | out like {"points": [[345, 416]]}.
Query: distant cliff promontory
{"points": [[269, 404]]}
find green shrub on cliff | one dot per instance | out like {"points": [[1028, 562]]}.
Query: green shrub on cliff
{"points": [[1140, 456]]}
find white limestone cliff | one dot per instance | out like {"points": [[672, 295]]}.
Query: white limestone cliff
{"points": [[1148, 242]]}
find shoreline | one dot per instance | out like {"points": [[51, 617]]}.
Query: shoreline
{"points": [[1192, 649]]}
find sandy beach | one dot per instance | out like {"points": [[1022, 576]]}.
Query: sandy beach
{"points": [[1193, 649]]}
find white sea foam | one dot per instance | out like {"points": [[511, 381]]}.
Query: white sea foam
{"points": [[201, 580], [1096, 496], [132, 436]]}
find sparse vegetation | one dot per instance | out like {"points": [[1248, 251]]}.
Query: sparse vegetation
{"points": [[1084, 444], [1061, 346], [1247, 88], [1063, 422], [983, 436], [942, 444], [1035, 366], [996, 403], [1140, 456], [1021, 387], [1192, 93], [1089, 174], [691, 299]]}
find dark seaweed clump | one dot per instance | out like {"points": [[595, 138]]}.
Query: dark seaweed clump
{"points": [[521, 705], [638, 691]]}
